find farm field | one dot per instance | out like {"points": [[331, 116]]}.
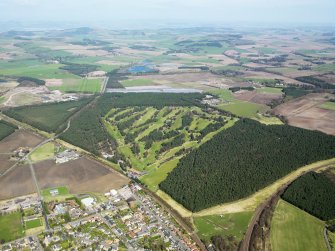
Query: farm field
{"points": [[328, 106], [11, 227], [39, 115], [20, 138], [305, 112], [300, 230], [82, 85], [18, 182], [79, 176], [234, 224]]}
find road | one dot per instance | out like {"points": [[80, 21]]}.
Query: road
{"points": [[245, 245], [325, 235]]}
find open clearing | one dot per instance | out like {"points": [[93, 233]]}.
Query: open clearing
{"points": [[294, 229], [20, 138], [11, 227], [44, 152], [258, 96], [33, 223], [80, 176], [5, 162], [17, 182], [305, 112], [234, 224]]}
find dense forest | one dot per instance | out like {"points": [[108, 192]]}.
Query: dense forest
{"points": [[319, 83], [313, 193], [46, 117], [79, 69], [157, 100], [242, 159], [6, 129], [87, 130], [114, 79]]}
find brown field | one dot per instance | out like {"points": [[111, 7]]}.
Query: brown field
{"points": [[256, 97], [81, 175], [5, 162], [17, 182], [20, 138], [53, 82], [305, 112]]}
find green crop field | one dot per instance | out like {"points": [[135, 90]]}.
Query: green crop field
{"points": [[79, 85], [44, 152], [137, 82], [47, 117], [33, 223], [269, 90], [33, 68], [234, 224], [294, 229], [11, 227], [328, 106]]}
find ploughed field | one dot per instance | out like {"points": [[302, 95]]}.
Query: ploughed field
{"points": [[241, 160], [81, 175]]}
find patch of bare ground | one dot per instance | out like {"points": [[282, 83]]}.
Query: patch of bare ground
{"points": [[20, 138], [53, 82], [81, 175], [305, 112], [17, 182], [256, 97], [267, 75]]}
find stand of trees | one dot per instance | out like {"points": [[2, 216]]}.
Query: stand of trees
{"points": [[79, 69], [6, 129], [313, 193], [319, 83], [47, 117], [241, 160]]}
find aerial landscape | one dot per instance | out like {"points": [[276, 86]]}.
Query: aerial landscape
{"points": [[175, 134]]}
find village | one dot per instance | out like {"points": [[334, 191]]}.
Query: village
{"points": [[128, 219]]}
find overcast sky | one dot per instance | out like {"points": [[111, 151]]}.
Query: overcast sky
{"points": [[111, 12]]}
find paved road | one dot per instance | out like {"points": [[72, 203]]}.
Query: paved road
{"points": [[245, 245]]}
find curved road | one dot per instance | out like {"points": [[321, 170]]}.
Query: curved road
{"points": [[245, 245]]}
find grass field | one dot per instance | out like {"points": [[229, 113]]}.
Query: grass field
{"points": [[63, 193], [328, 106], [223, 225], [136, 82], [269, 90], [294, 229], [79, 85], [44, 152], [11, 227], [238, 107], [29, 224], [243, 108], [33, 68]]}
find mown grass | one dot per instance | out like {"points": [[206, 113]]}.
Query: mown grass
{"points": [[294, 229], [269, 90], [44, 152], [328, 106], [33, 223], [234, 224], [136, 82], [79, 85], [11, 227], [63, 193]]}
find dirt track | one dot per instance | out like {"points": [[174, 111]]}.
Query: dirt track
{"points": [[245, 245]]}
